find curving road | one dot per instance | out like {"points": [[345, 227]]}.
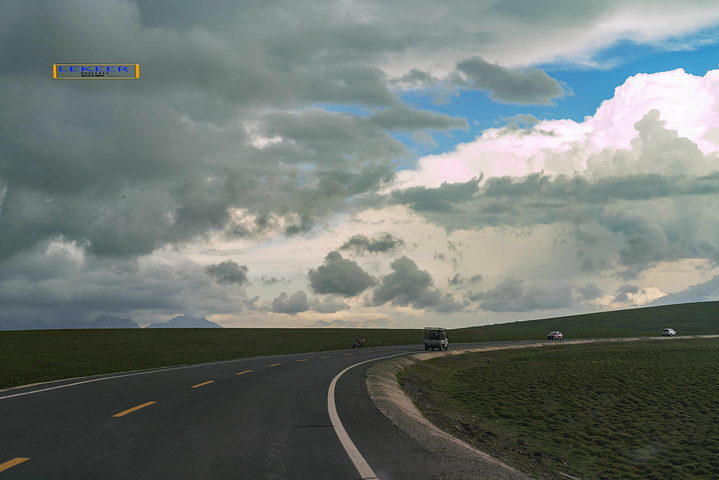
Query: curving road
{"points": [[302, 416], [259, 418]]}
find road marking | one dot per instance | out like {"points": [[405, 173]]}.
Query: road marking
{"points": [[207, 364], [328, 356], [122, 414], [113, 377], [242, 373], [358, 460], [346, 354], [12, 463], [275, 364], [303, 360], [202, 384]]}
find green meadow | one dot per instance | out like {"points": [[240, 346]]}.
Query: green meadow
{"points": [[32, 356], [644, 409], [639, 410], [687, 319]]}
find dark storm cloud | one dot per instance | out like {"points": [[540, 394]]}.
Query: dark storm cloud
{"points": [[512, 296], [524, 86], [322, 138], [440, 199], [461, 281], [418, 78], [701, 292], [589, 291], [380, 243], [329, 304], [514, 85], [552, 12], [522, 119], [265, 280], [407, 285], [623, 293], [294, 304], [404, 118], [339, 276], [52, 286], [248, 54], [228, 272], [590, 263], [165, 159], [643, 186]]}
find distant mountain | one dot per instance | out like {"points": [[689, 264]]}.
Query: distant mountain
{"points": [[376, 323], [186, 321], [107, 321]]}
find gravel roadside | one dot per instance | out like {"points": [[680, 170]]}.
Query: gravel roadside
{"points": [[455, 458]]}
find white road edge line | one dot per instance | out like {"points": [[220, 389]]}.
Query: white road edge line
{"points": [[360, 463], [112, 377]]}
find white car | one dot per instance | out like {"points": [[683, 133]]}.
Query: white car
{"points": [[669, 332]]}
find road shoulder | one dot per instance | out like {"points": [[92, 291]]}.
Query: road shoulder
{"points": [[458, 459]]}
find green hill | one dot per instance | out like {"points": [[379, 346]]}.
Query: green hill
{"points": [[687, 319]]}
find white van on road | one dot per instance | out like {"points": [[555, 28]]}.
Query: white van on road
{"points": [[435, 337]]}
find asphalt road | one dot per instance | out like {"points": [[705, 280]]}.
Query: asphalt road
{"points": [[260, 418]]}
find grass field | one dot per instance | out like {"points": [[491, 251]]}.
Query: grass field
{"points": [[686, 319], [634, 410], [639, 410], [32, 356]]}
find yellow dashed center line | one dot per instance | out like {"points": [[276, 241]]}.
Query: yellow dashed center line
{"points": [[347, 354], [328, 356], [275, 364], [242, 373], [12, 463], [371, 351], [303, 360], [202, 384], [122, 414]]}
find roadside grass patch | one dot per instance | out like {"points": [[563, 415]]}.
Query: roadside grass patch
{"points": [[636, 410]]}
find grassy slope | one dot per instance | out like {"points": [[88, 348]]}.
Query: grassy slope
{"points": [[637, 410], [686, 319]]}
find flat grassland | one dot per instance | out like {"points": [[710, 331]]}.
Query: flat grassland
{"points": [[635, 410], [32, 356], [638, 410]]}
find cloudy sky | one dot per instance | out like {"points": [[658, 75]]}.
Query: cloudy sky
{"points": [[281, 163]]}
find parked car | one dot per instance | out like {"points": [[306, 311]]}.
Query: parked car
{"points": [[669, 332], [555, 336]]}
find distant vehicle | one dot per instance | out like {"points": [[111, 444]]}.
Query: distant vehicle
{"points": [[555, 336], [435, 337], [669, 332], [359, 343]]}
